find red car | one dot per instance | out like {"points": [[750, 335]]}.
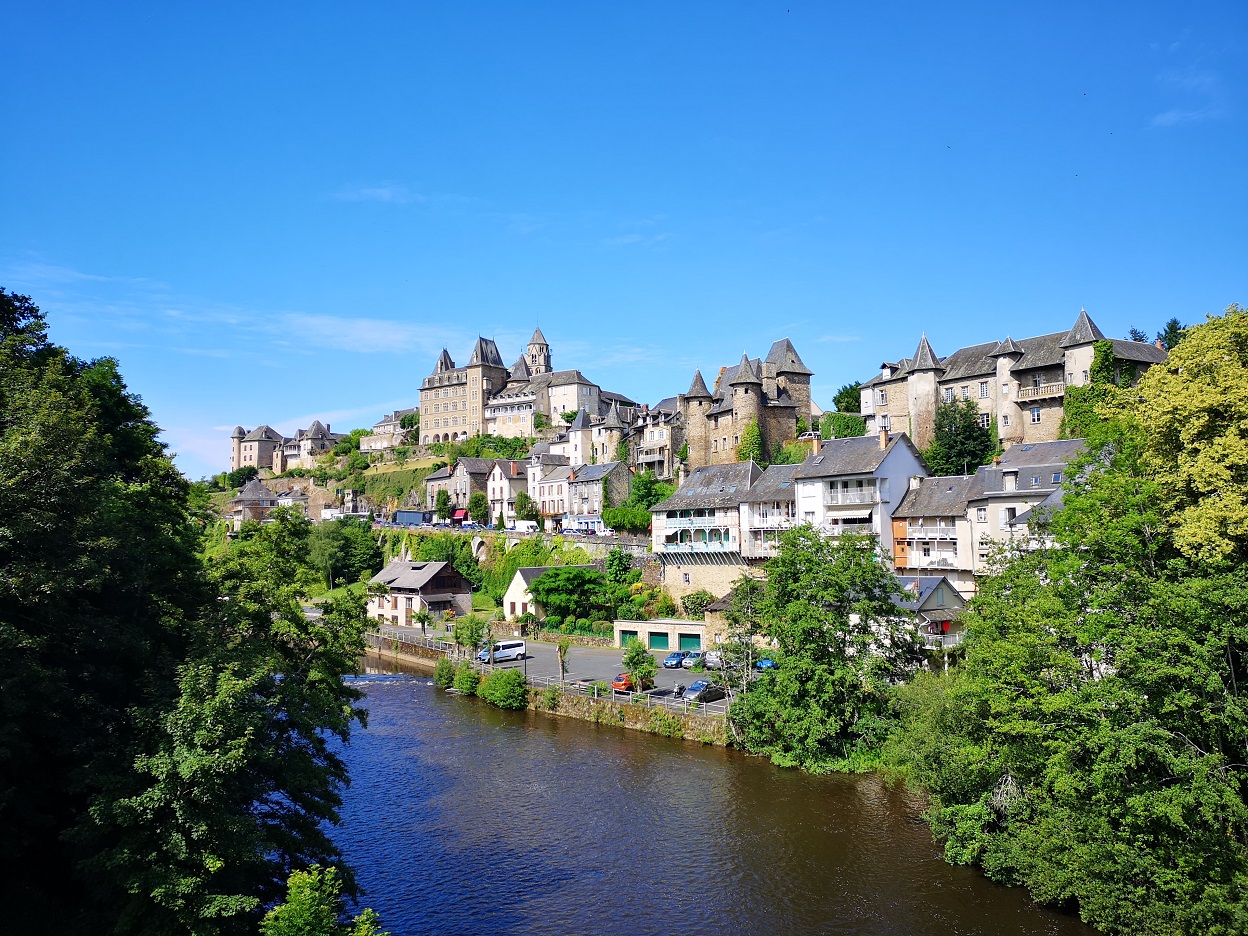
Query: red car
{"points": [[624, 683]]}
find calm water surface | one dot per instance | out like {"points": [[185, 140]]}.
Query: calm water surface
{"points": [[465, 819]]}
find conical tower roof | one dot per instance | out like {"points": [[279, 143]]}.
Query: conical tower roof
{"points": [[745, 373], [520, 370], [697, 389], [538, 337], [237, 433], [1009, 346], [613, 420], [485, 351], [784, 356], [581, 421], [1084, 331], [444, 362], [925, 358]]}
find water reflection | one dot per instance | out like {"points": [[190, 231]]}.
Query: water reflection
{"points": [[462, 818]]}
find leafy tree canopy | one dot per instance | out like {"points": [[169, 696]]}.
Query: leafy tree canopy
{"points": [[479, 507], [841, 425], [750, 447], [960, 443], [848, 399]]}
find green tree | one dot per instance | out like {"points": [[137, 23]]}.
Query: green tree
{"points": [[401, 454], [568, 417], [647, 490], [848, 399], [240, 476], [1136, 334], [572, 591], [350, 443], [639, 664], [1085, 746], [618, 567], [479, 507], [960, 443], [751, 446], [841, 645], [695, 603], [526, 507], [442, 504], [842, 426], [561, 652], [1171, 334], [627, 519], [469, 633], [410, 424], [506, 689], [314, 906]]}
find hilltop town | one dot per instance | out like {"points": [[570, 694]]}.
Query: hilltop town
{"points": [[737, 459]]}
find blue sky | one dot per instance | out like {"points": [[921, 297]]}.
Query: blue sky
{"points": [[275, 212]]}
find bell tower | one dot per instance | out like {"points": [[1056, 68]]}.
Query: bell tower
{"points": [[539, 353]]}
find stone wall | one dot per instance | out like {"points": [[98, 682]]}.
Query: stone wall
{"points": [[716, 579]]}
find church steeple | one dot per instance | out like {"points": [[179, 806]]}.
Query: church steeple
{"points": [[539, 353]]}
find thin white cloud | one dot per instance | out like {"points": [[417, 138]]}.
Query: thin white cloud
{"points": [[1199, 93], [1176, 118], [389, 193]]}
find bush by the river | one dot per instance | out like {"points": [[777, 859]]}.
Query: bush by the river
{"points": [[444, 673], [507, 689], [467, 679]]}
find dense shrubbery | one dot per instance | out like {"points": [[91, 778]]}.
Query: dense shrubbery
{"points": [[506, 689], [467, 679], [444, 673]]}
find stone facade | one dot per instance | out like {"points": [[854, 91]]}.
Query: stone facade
{"points": [[1018, 385], [453, 399]]}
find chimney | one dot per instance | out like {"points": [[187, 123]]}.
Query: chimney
{"points": [[883, 439], [915, 481], [1160, 346]]}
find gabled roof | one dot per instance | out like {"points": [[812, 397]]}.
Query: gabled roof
{"points": [[1009, 346], [1035, 454], [784, 356], [774, 484], [611, 396], [916, 589], [511, 469], [253, 490], [925, 358], [697, 389], [1138, 351], [667, 405], [1084, 331], [1045, 509], [476, 466], [485, 351], [440, 474], [854, 455], [713, 486], [263, 433], [581, 421], [592, 472], [408, 575], [937, 497]]}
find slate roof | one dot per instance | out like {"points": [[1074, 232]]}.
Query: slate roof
{"points": [[925, 357], [1138, 351], [485, 351], [851, 456], [937, 497], [440, 474], [1038, 454], [667, 405], [519, 371], [263, 433], [581, 421], [592, 472], [713, 486], [612, 397], [560, 473], [916, 589], [405, 574], [774, 484], [1047, 507], [444, 362], [237, 433], [747, 372], [1084, 331], [697, 389], [784, 356], [613, 420], [538, 337], [476, 466], [512, 469], [539, 448], [253, 490]]}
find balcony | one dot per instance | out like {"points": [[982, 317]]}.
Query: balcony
{"points": [[1042, 391], [771, 521], [694, 523], [697, 546], [943, 641], [941, 561], [836, 529], [931, 532], [846, 498]]}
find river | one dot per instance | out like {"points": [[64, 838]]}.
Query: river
{"points": [[465, 819]]}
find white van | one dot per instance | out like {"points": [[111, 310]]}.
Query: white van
{"points": [[505, 650]]}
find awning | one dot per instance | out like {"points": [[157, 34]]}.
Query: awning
{"points": [[857, 513], [459, 515]]}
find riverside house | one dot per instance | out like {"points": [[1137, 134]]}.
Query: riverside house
{"points": [[435, 587]]}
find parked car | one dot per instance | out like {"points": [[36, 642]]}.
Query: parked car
{"points": [[766, 663], [673, 660], [624, 683], [704, 691], [713, 660], [692, 660]]}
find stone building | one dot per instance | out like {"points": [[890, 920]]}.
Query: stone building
{"points": [[265, 447], [590, 487], [254, 448], [388, 432], [1019, 385], [453, 399], [774, 391]]}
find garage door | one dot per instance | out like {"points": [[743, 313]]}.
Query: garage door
{"points": [[626, 636], [690, 641], [658, 640]]}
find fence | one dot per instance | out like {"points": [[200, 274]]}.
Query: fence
{"points": [[654, 698]]}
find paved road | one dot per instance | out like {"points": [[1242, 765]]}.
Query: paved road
{"points": [[593, 663]]}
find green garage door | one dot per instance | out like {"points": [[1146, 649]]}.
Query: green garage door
{"points": [[626, 636], [658, 640], [690, 641]]}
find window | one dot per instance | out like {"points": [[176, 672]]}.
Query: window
{"points": [[883, 398], [948, 394], [983, 389], [685, 578], [984, 420], [1057, 477], [966, 393], [884, 422], [981, 514], [1035, 480], [1085, 376], [1035, 415], [1005, 420]]}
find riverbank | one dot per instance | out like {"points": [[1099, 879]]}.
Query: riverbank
{"points": [[576, 702]]}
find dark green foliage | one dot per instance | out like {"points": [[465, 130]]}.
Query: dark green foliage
{"points": [[840, 646], [540, 421], [484, 446], [442, 504], [621, 451], [841, 425], [695, 603], [633, 515], [526, 507], [240, 476], [506, 689], [627, 519], [665, 606], [1136, 334], [571, 591], [467, 679], [793, 453], [848, 399], [1089, 746], [960, 444], [568, 417], [344, 550], [479, 507], [444, 673], [1171, 334], [350, 443], [639, 664], [410, 422], [619, 568], [1080, 405], [314, 906]]}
